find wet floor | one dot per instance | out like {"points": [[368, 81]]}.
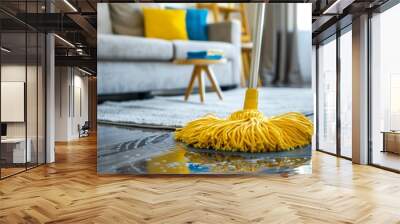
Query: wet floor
{"points": [[127, 150]]}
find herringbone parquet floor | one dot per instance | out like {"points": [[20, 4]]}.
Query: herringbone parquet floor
{"points": [[70, 191]]}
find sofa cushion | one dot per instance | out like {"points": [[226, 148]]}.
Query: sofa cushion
{"points": [[127, 18], [129, 48], [196, 24], [182, 47], [169, 24], [128, 77]]}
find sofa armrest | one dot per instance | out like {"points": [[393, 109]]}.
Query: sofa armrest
{"points": [[229, 31]]}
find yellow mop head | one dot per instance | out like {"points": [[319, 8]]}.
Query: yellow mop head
{"points": [[248, 130]]}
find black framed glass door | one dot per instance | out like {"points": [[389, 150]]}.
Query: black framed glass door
{"points": [[326, 116], [334, 94], [384, 114], [22, 78]]}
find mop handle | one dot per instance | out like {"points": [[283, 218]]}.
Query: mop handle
{"points": [[256, 52]]}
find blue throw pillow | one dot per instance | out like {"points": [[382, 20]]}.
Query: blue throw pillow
{"points": [[196, 24]]}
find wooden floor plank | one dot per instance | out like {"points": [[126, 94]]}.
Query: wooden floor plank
{"points": [[70, 191]]}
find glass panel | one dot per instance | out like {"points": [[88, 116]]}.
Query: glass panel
{"points": [[13, 87], [32, 87], [327, 97], [23, 89], [346, 94], [41, 99], [314, 88], [385, 86], [31, 98]]}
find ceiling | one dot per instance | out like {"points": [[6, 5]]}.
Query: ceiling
{"points": [[74, 22]]}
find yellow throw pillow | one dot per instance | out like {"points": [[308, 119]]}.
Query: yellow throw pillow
{"points": [[169, 24]]}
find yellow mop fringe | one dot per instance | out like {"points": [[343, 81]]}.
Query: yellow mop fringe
{"points": [[248, 130]]}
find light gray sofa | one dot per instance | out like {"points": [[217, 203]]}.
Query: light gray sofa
{"points": [[133, 64]]}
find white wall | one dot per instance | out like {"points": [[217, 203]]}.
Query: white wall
{"points": [[70, 84], [80, 109], [62, 82]]}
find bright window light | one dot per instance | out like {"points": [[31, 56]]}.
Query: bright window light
{"points": [[304, 16]]}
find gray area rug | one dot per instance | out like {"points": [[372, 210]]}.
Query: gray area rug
{"points": [[174, 111]]}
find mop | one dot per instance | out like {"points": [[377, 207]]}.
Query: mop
{"points": [[248, 130]]}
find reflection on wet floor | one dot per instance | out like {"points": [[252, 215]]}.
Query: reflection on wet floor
{"points": [[143, 151]]}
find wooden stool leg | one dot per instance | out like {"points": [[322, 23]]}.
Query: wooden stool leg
{"points": [[246, 65], [259, 82], [201, 85], [213, 81], [191, 82], [243, 82]]}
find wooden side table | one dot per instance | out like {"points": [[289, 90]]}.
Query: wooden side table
{"points": [[201, 65], [391, 141]]}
